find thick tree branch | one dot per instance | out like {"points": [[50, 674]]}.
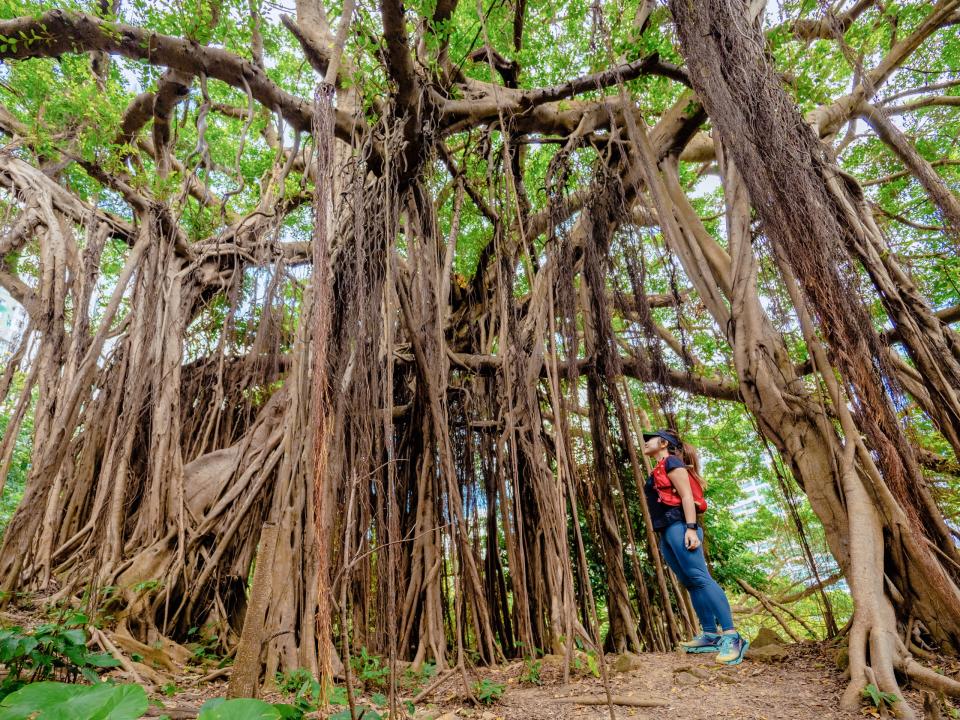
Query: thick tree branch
{"points": [[509, 70], [938, 192], [19, 291], [313, 49], [60, 32], [20, 233], [137, 114], [947, 84], [827, 119], [831, 26], [649, 65], [397, 55], [714, 388], [173, 88], [541, 111], [925, 102], [21, 178], [904, 173], [456, 172]]}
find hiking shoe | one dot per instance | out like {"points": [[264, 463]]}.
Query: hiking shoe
{"points": [[732, 648], [705, 642]]}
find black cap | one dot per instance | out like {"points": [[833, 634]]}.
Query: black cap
{"points": [[665, 434]]}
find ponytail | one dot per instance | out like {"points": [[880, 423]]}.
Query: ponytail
{"points": [[691, 458]]}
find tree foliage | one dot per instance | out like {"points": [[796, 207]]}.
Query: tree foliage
{"points": [[408, 281]]}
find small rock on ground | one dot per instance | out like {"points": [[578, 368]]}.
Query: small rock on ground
{"points": [[685, 679], [768, 653], [627, 662], [766, 637]]}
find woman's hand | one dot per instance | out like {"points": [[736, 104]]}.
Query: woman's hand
{"points": [[691, 540]]}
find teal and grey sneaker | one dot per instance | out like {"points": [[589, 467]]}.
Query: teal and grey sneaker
{"points": [[732, 648], [705, 642]]}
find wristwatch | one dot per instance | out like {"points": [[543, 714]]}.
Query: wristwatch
{"points": [[691, 526]]}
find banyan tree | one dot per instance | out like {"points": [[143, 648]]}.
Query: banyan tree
{"points": [[384, 293]]}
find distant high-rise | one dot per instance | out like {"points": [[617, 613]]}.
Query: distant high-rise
{"points": [[752, 498], [12, 322]]}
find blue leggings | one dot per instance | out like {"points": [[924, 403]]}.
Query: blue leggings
{"points": [[708, 598]]}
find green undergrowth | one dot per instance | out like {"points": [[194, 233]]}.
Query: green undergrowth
{"points": [[50, 651], [107, 701], [44, 670], [50, 700]]}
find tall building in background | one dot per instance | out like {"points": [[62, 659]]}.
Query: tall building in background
{"points": [[752, 498], [12, 322]]}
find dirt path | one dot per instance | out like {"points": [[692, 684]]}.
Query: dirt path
{"points": [[806, 685]]}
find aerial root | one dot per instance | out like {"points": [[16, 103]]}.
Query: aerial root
{"points": [[433, 686], [928, 678], [100, 637], [885, 658], [879, 671]]}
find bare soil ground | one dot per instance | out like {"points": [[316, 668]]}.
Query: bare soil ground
{"points": [[806, 685]]}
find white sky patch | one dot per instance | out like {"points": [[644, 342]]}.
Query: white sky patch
{"points": [[705, 186], [13, 321]]}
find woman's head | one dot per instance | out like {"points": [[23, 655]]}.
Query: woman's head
{"points": [[658, 441]]}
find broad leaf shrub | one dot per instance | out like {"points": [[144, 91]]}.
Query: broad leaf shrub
{"points": [[52, 651], [62, 701], [246, 709]]}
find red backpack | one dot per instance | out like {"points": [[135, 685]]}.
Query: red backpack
{"points": [[668, 494]]}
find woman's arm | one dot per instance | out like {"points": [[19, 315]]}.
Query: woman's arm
{"points": [[681, 481]]}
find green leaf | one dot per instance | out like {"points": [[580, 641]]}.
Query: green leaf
{"points": [[288, 712], [112, 702], [60, 701], [238, 709], [379, 699], [103, 660], [15, 646], [74, 637], [27, 645], [42, 696], [78, 619], [76, 655]]}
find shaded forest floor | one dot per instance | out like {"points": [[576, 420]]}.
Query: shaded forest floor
{"points": [[805, 683], [776, 681]]}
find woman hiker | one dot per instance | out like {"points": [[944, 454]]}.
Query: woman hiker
{"points": [[675, 495]]}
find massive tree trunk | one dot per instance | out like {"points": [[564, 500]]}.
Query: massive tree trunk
{"points": [[811, 220]]}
